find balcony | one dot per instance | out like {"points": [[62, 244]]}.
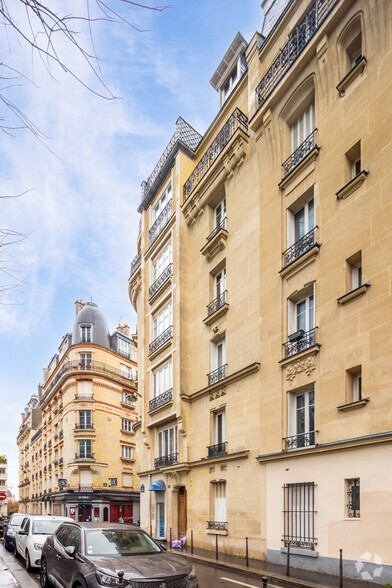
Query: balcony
{"points": [[217, 525], [136, 262], [160, 281], [300, 247], [165, 460], [61, 434], [84, 427], [84, 456], [160, 340], [217, 308], [216, 240], [221, 226], [298, 40], [217, 375], [55, 410], [161, 399], [300, 154], [217, 450], [45, 446], [160, 223], [50, 443], [300, 440], [236, 121], [299, 341]]}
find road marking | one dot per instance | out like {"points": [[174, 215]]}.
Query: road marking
{"points": [[243, 584]]}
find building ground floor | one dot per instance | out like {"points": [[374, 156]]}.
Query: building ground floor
{"points": [[315, 502]]}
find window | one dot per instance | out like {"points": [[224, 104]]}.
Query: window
{"points": [[300, 228], [354, 384], [353, 494], [162, 202], [298, 509], [350, 45], [162, 262], [126, 371], [219, 427], [302, 127], [301, 419], [163, 379], [85, 448], [220, 283], [162, 321], [219, 491], [86, 334], [301, 323], [84, 419], [85, 360], [220, 215], [126, 425], [353, 161], [85, 389], [127, 397], [126, 452], [167, 442], [228, 86], [124, 347], [218, 360]]}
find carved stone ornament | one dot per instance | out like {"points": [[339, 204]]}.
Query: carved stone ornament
{"points": [[217, 393], [306, 365]]}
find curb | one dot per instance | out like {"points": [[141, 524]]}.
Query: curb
{"points": [[11, 568]]}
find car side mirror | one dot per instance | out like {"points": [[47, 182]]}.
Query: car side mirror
{"points": [[71, 551], [163, 547], [22, 532]]}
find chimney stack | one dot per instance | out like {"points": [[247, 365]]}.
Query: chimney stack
{"points": [[124, 329], [78, 306]]}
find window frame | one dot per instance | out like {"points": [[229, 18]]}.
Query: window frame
{"points": [[162, 379], [157, 209], [88, 328], [166, 440]]}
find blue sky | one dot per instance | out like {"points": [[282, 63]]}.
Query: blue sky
{"points": [[79, 215]]}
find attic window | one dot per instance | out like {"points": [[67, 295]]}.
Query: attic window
{"points": [[228, 86], [86, 334]]}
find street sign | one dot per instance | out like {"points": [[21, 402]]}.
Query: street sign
{"points": [[3, 495]]}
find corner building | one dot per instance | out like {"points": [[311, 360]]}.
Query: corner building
{"points": [[262, 286]]}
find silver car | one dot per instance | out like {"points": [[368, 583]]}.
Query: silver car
{"points": [[92, 555]]}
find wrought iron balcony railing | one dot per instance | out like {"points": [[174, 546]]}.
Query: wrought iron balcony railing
{"points": [[299, 341], [217, 525], [301, 440], [217, 375], [217, 449], [136, 262], [237, 120], [219, 227], [161, 399], [160, 223], [301, 246], [299, 154], [160, 340], [84, 426], [84, 455], [61, 460], [165, 460], [217, 303], [298, 39], [161, 279]]}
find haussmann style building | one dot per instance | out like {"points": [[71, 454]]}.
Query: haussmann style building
{"points": [[76, 442], [262, 284]]}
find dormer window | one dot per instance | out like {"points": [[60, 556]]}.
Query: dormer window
{"points": [[229, 84], [230, 69], [86, 334]]}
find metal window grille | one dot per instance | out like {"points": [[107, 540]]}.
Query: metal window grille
{"points": [[299, 515], [353, 494]]}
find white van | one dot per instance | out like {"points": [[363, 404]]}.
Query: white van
{"points": [[32, 534]]}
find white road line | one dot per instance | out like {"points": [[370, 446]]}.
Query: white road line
{"points": [[243, 584]]}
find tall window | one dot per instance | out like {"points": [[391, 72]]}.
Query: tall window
{"points": [[85, 360], [353, 161], [126, 371], [163, 379], [220, 283], [167, 442], [85, 419], [126, 451], [219, 427], [220, 513], [124, 347], [86, 334], [160, 205], [85, 448], [304, 220], [85, 389], [298, 508], [304, 314], [217, 360], [220, 214], [302, 127], [356, 275], [301, 414], [161, 263], [353, 494], [162, 321], [126, 425]]}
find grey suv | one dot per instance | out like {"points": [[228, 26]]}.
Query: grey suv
{"points": [[92, 555]]}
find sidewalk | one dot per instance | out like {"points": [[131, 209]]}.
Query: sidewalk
{"points": [[12, 574], [274, 572]]}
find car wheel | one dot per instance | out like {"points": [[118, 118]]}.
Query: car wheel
{"points": [[43, 577], [27, 561]]}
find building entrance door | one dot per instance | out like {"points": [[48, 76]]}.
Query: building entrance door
{"points": [[182, 511], [160, 514], [84, 512]]}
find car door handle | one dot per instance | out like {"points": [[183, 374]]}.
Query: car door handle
{"points": [[48, 547], [58, 556]]}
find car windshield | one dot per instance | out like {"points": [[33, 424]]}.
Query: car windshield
{"points": [[16, 520], [119, 542], [45, 527]]}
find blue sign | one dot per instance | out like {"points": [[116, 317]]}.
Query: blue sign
{"points": [[142, 488]]}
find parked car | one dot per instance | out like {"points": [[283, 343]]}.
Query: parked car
{"points": [[3, 523], [91, 555], [11, 528], [32, 534]]}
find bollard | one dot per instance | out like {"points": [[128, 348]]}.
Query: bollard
{"points": [[340, 568], [192, 542], [151, 530], [264, 579], [288, 560], [216, 547], [121, 579], [247, 552], [170, 537]]}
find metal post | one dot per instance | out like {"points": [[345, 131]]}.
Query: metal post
{"points": [[216, 547], [264, 579], [288, 560], [192, 542], [150, 529], [247, 552], [121, 579], [340, 568], [170, 544]]}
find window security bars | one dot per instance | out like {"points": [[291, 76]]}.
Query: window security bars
{"points": [[301, 246], [304, 341], [217, 303], [165, 460], [217, 449], [157, 285], [300, 440], [160, 223], [299, 154], [237, 120], [353, 504], [299, 515], [84, 426], [136, 262], [299, 38], [220, 226], [217, 525], [161, 399], [217, 375], [84, 455], [160, 340]]}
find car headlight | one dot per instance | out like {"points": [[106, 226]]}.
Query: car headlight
{"points": [[38, 546], [106, 580], [11, 533], [192, 574]]}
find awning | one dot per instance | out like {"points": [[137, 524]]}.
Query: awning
{"points": [[157, 485]]}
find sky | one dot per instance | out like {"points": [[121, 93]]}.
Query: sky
{"points": [[79, 181]]}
